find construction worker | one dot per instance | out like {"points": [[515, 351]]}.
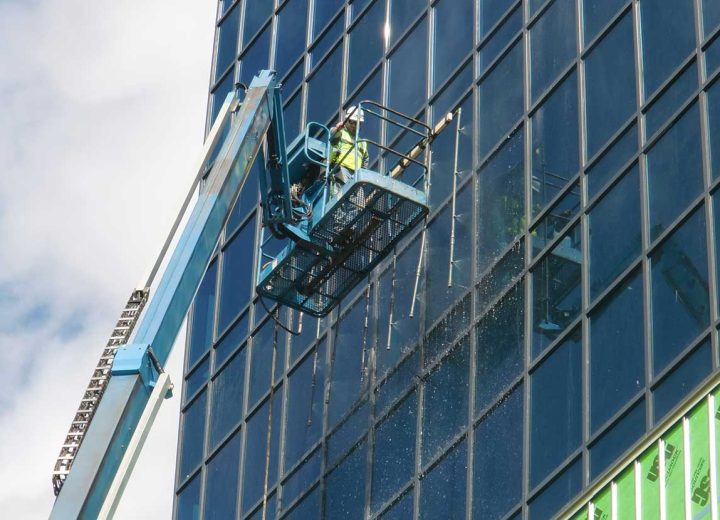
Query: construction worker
{"points": [[348, 154]]}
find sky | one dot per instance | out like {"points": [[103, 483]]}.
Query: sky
{"points": [[103, 107]]}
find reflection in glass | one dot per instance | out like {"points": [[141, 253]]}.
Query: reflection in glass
{"points": [[556, 495], [682, 380], [680, 299], [453, 37], [291, 26], [672, 99], [610, 163], [324, 88], [327, 40], [556, 290], [323, 12], [557, 218], [552, 45], [491, 48], [503, 273], [617, 439], [366, 43], [402, 12], [408, 72], [597, 13]]}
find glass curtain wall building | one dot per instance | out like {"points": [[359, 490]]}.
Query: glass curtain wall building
{"points": [[559, 301]]}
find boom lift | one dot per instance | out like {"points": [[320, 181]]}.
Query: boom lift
{"points": [[334, 242]]}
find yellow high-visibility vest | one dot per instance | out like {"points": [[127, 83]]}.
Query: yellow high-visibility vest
{"points": [[343, 152]]}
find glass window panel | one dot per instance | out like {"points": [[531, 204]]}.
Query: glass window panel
{"points": [[293, 79], [395, 299], [237, 274], [201, 326], [617, 439], [345, 486], [505, 271], [246, 201], [610, 84], [357, 6], [196, 380], [680, 300], [349, 353], [682, 380], [446, 331], [256, 12], [305, 405], [453, 37], [712, 58], [446, 401], [291, 29], [258, 460], [308, 508], [402, 509], [614, 158], [713, 103], [399, 381], [501, 201], [408, 72], [500, 39], [556, 290], [268, 512], [617, 351], [323, 12], [348, 434], [256, 57], [501, 99], [500, 348], [366, 41], [402, 12], [188, 501], [443, 488], [324, 88], [535, 5], [675, 175], [438, 296], [292, 116], [615, 237], [597, 13], [302, 478], [222, 481], [394, 454], [307, 326], [552, 44], [555, 157], [498, 460], [671, 100], [231, 341], [227, 41], [559, 216], [490, 13], [556, 495], [556, 408], [711, 16], [668, 37], [227, 398], [327, 40], [443, 103], [193, 436], [264, 342]]}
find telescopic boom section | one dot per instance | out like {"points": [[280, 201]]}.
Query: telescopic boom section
{"points": [[137, 366]]}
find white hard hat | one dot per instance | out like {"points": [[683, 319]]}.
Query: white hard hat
{"points": [[355, 114]]}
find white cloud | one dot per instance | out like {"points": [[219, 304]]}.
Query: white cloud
{"points": [[103, 108]]}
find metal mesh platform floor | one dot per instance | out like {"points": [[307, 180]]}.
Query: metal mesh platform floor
{"points": [[373, 213]]}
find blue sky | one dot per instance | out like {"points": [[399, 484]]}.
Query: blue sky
{"points": [[103, 107]]}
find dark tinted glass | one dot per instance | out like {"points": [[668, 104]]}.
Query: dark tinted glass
{"points": [[256, 12], [490, 13], [610, 84], [192, 435], [617, 351], [394, 455], [450, 94], [617, 439], [304, 408], [556, 406], [327, 40], [711, 16], [348, 433], [501, 99], [555, 157], [668, 37], [256, 57], [302, 478], [408, 72], [324, 88], [188, 501], [498, 459], [222, 481], [597, 13], [556, 290], [610, 163], [402, 12], [201, 326], [447, 330], [446, 401], [401, 509], [227, 41], [292, 115], [675, 171], [263, 343], [345, 486], [680, 300], [261, 451], [500, 39], [397, 383], [308, 508], [682, 380], [323, 12], [366, 44], [197, 379], [557, 494], [229, 343], [713, 101], [237, 269], [552, 44], [556, 219], [501, 201], [453, 36], [712, 57], [220, 93], [615, 238], [505, 271], [227, 398], [442, 493], [291, 29], [671, 100], [500, 348]]}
